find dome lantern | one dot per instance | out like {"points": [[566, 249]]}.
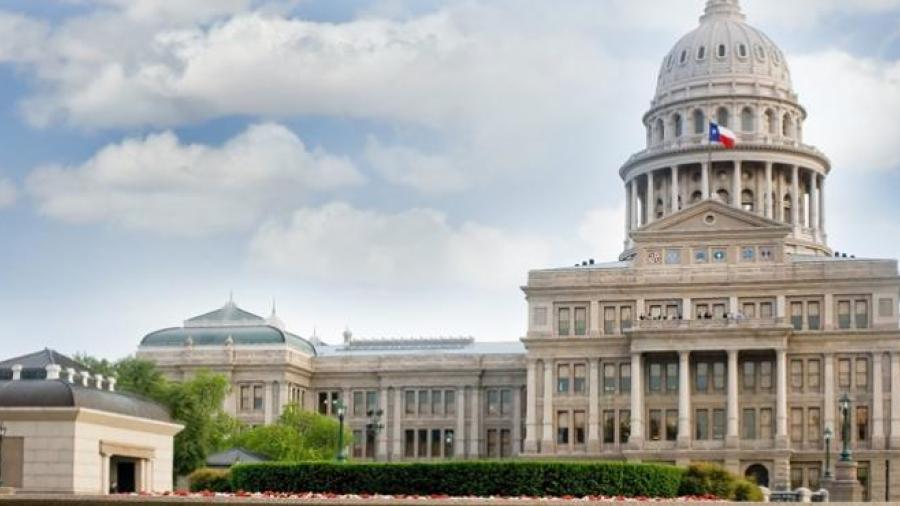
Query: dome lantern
{"points": [[723, 9]]}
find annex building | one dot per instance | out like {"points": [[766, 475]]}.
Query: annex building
{"points": [[726, 331]]}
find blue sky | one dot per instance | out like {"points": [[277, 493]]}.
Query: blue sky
{"points": [[392, 165]]}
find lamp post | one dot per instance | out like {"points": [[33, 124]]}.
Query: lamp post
{"points": [[374, 426], [846, 455], [340, 409], [2, 435], [828, 436]]}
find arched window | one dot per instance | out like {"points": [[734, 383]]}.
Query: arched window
{"points": [[747, 202], [699, 122], [786, 205], [770, 122], [683, 56], [742, 50], [660, 131], [721, 51], [697, 196], [760, 53], [747, 120], [701, 53], [787, 126], [722, 117], [679, 127], [724, 196]]}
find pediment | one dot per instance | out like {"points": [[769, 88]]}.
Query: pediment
{"points": [[712, 217]]}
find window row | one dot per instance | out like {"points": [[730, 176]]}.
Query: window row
{"points": [[363, 444], [499, 402], [715, 255], [806, 425], [365, 403], [570, 428], [721, 51], [252, 397], [428, 443], [853, 373], [747, 117], [498, 444], [430, 402], [806, 375]]}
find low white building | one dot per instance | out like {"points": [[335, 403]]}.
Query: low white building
{"points": [[69, 431]]}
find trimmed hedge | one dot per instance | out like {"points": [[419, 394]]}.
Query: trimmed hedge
{"points": [[462, 478], [212, 480]]}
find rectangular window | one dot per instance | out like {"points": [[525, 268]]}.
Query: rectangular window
{"points": [[671, 376], [862, 476], [359, 404], [702, 378], [562, 428], [625, 378], [624, 425], [815, 319], [493, 402], [748, 424], [862, 423], [580, 382], [813, 375], [765, 375], [797, 315], [492, 443], [562, 379], [245, 400], [813, 477], [505, 443], [719, 376], [448, 443], [718, 424], [578, 418], [409, 447], [258, 402], [862, 314], [357, 444], [796, 425], [609, 378], [505, 402], [450, 402], [844, 314], [844, 373], [749, 310], [655, 377], [701, 422], [796, 477], [410, 402], [437, 401], [370, 444], [719, 311], [813, 425], [671, 424], [609, 320], [563, 322], [862, 373], [797, 374], [580, 321], [424, 404], [436, 443], [655, 425], [765, 310], [625, 319], [609, 426], [765, 423], [423, 443], [749, 375], [371, 402], [703, 311]]}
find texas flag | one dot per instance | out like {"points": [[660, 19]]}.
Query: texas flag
{"points": [[722, 135]]}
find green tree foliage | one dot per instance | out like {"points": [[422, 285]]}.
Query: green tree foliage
{"points": [[195, 403], [297, 436], [711, 479]]}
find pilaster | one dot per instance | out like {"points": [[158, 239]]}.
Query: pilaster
{"points": [[593, 407], [636, 439], [877, 403], [732, 438], [547, 439], [684, 399], [781, 433], [531, 427]]}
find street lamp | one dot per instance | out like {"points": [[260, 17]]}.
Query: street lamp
{"points": [[374, 425], [846, 455], [2, 434], [340, 409], [828, 437]]}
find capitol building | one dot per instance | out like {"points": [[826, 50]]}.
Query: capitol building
{"points": [[726, 331]]}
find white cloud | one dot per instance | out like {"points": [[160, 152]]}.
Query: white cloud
{"points": [[418, 247], [809, 13], [408, 166], [603, 230], [7, 193], [161, 185], [854, 117]]}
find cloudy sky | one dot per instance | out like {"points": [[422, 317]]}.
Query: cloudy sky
{"points": [[392, 165]]}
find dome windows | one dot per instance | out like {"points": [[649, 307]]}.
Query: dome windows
{"points": [[701, 53], [669, 61], [742, 50], [679, 125], [770, 122], [748, 123], [776, 58], [699, 122], [721, 51], [722, 117], [760, 53], [787, 126], [684, 54], [660, 131]]}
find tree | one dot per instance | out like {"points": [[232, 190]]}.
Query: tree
{"points": [[298, 435]]}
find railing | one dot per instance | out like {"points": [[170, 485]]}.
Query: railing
{"points": [[713, 323]]}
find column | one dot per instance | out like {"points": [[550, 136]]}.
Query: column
{"points": [[895, 400], [104, 474], [636, 440], [736, 185], [531, 427], [822, 207], [704, 179], [283, 399], [675, 189], [732, 438], [517, 421], [684, 399], [635, 209], [475, 433], [629, 187], [594, 406], [459, 444], [651, 198], [770, 205], [814, 203], [829, 395], [547, 435], [397, 424], [268, 402], [781, 433], [828, 312], [877, 401], [381, 446], [795, 198]]}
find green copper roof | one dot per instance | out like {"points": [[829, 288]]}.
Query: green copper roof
{"points": [[229, 314], [218, 336]]}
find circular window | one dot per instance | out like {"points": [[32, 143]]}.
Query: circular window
{"points": [[709, 219]]}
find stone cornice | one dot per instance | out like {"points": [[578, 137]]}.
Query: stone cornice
{"points": [[744, 97]]}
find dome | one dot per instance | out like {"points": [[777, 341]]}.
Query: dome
{"points": [[723, 51]]}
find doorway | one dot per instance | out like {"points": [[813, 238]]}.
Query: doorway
{"points": [[759, 474], [122, 475]]}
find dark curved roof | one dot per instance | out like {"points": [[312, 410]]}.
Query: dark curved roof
{"points": [[217, 336], [34, 365], [61, 394]]}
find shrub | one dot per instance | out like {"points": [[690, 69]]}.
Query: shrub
{"points": [[213, 480], [522, 478], [710, 479]]}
